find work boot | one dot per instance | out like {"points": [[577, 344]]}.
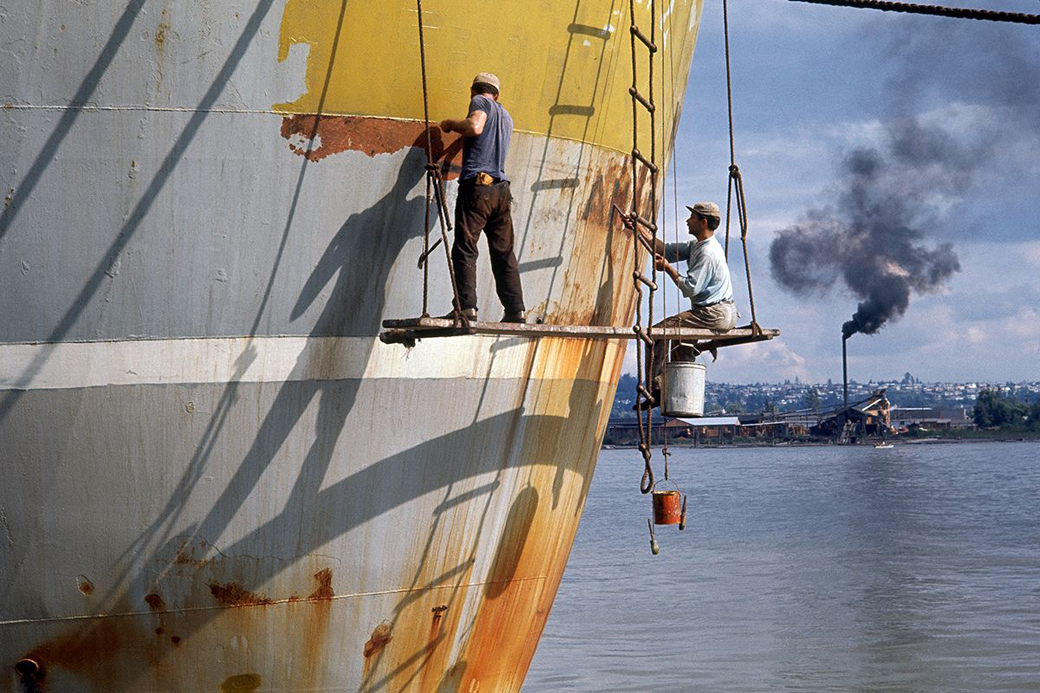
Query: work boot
{"points": [[515, 317], [464, 315]]}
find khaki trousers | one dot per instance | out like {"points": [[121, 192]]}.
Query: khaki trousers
{"points": [[720, 316]]}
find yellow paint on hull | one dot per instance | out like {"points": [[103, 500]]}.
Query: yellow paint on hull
{"points": [[565, 67]]}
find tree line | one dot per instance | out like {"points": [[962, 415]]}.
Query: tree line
{"points": [[994, 409]]}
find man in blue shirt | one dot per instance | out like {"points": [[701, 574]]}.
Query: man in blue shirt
{"points": [[706, 283], [484, 202]]}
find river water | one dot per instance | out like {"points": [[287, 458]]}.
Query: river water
{"points": [[806, 569]]}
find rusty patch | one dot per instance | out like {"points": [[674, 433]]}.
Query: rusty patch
{"points": [[87, 653], [380, 637], [175, 639], [159, 630], [160, 38], [186, 554], [324, 590], [317, 137], [155, 602], [241, 682], [232, 594], [85, 586]]}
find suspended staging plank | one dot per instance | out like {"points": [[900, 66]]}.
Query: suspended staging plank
{"points": [[408, 330]]}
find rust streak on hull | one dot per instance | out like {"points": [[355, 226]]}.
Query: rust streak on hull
{"points": [[232, 594]]}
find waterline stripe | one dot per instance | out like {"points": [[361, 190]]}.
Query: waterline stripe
{"points": [[69, 365]]}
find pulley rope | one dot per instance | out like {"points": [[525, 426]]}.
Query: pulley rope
{"points": [[434, 181], [668, 148], [665, 453], [729, 111], [936, 10], [736, 180], [429, 160]]}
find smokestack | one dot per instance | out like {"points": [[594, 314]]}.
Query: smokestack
{"points": [[845, 368]]}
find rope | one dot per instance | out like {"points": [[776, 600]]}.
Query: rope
{"points": [[729, 110], [913, 8], [664, 234], [738, 186], [426, 254], [736, 180], [434, 184], [429, 160]]}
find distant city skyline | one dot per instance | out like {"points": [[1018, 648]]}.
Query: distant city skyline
{"points": [[794, 395], [814, 83]]}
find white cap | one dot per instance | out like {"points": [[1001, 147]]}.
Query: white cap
{"points": [[705, 209]]}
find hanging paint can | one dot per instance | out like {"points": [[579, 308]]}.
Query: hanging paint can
{"points": [[683, 389], [667, 505]]}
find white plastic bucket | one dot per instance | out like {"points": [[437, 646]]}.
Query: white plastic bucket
{"points": [[683, 389]]}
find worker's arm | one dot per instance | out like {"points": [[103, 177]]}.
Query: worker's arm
{"points": [[698, 276], [666, 267], [472, 126]]}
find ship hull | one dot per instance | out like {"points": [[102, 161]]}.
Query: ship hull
{"points": [[217, 476]]}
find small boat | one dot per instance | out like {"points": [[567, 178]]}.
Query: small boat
{"points": [[883, 446]]}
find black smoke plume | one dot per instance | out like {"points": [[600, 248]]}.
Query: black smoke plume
{"points": [[871, 235]]}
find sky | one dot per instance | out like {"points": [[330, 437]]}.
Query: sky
{"points": [[949, 111]]}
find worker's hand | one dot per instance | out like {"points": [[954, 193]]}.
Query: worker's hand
{"points": [[445, 125], [663, 265]]}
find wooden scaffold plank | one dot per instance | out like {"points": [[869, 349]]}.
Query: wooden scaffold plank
{"points": [[407, 331]]}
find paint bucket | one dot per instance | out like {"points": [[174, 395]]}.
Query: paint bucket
{"points": [[667, 505], [683, 389]]}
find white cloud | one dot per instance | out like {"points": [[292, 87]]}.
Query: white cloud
{"points": [[764, 361], [976, 335], [1030, 252], [1025, 325]]}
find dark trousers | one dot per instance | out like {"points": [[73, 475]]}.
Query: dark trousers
{"points": [[486, 208]]}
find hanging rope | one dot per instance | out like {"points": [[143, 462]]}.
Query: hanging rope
{"points": [[434, 185], [429, 160], [729, 111], [668, 148], [736, 181], [913, 8]]}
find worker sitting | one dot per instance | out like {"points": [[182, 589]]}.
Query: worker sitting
{"points": [[484, 202], [706, 283]]}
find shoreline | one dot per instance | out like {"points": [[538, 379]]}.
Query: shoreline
{"points": [[818, 444]]}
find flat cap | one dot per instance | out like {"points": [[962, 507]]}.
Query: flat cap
{"points": [[705, 209], [486, 78]]}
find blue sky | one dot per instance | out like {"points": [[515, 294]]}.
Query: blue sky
{"points": [[813, 83]]}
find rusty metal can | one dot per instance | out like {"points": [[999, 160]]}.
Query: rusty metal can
{"points": [[667, 506]]}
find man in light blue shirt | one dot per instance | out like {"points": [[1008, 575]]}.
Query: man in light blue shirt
{"points": [[706, 283]]}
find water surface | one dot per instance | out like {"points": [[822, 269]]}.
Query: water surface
{"points": [[807, 569]]}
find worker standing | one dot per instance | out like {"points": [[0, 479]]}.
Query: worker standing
{"points": [[484, 202], [707, 284]]}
